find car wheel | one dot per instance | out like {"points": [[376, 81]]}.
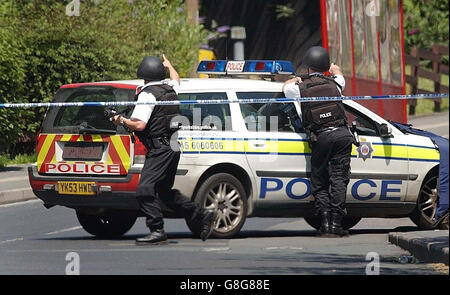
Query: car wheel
{"points": [[111, 226], [224, 193], [347, 222], [444, 223], [426, 204]]}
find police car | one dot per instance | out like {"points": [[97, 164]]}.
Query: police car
{"points": [[242, 159]]}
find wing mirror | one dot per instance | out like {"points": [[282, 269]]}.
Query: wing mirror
{"points": [[385, 130], [355, 134]]}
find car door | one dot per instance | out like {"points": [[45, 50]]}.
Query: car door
{"points": [[201, 123], [277, 152], [379, 165]]}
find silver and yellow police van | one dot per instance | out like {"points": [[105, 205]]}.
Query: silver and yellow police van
{"points": [[245, 160]]}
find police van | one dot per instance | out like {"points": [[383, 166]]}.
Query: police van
{"points": [[245, 160]]}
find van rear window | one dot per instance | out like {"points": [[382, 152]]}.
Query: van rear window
{"points": [[71, 119]]}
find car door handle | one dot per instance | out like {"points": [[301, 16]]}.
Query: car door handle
{"points": [[258, 144]]}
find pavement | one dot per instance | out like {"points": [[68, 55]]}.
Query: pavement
{"points": [[14, 184], [425, 246], [16, 195]]}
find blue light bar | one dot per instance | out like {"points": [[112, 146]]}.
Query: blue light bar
{"points": [[248, 67]]}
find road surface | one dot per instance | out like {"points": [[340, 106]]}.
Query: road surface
{"points": [[35, 240]]}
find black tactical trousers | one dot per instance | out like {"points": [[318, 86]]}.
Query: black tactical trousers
{"points": [[330, 170], [155, 186]]}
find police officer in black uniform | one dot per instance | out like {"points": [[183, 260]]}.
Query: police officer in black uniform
{"points": [[156, 129], [330, 140]]}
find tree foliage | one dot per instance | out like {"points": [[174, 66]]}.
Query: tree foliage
{"points": [[42, 48], [426, 23]]}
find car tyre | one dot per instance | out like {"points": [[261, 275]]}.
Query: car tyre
{"points": [[427, 202], [225, 194], [347, 222], [111, 226], [444, 223]]}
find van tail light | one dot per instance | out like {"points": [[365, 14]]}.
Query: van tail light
{"points": [[39, 142], [139, 152]]}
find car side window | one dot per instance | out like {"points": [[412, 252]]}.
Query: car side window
{"points": [[214, 117], [270, 117], [364, 125]]}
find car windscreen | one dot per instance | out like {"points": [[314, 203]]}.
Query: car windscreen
{"points": [[90, 119]]}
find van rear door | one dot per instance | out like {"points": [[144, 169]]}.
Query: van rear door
{"points": [[80, 140]]}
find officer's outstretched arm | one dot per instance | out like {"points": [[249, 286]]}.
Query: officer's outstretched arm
{"points": [[133, 124], [172, 72], [335, 70], [295, 79]]}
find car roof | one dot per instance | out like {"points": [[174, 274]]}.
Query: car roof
{"points": [[197, 84], [191, 85], [229, 83]]}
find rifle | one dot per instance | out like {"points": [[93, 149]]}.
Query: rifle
{"points": [[110, 112]]}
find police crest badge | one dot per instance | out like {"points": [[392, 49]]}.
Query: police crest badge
{"points": [[365, 150]]}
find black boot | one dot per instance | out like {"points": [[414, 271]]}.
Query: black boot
{"points": [[156, 237], [336, 225], [208, 222], [325, 226]]}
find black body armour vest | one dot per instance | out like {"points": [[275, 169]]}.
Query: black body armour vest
{"points": [[160, 122], [321, 114]]}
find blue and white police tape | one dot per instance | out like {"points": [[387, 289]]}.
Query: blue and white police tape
{"points": [[223, 101]]}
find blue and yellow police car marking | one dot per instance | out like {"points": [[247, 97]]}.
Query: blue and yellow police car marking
{"points": [[299, 147], [405, 152], [241, 145]]}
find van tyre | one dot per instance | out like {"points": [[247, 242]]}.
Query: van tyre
{"points": [[347, 221], [225, 194], [110, 226]]}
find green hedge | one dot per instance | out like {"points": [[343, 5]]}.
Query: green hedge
{"points": [[41, 48]]}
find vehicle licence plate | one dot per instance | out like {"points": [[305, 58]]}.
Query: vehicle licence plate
{"points": [[92, 152], [76, 188], [235, 66]]}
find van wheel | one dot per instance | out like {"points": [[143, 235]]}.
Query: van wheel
{"points": [[224, 193], [111, 226], [347, 222], [427, 202]]}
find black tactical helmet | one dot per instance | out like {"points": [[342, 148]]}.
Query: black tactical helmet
{"points": [[151, 69], [316, 58]]}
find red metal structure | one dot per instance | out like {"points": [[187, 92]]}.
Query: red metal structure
{"points": [[365, 37]]}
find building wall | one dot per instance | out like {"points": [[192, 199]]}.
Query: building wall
{"points": [[288, 38], [267, 36]]}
